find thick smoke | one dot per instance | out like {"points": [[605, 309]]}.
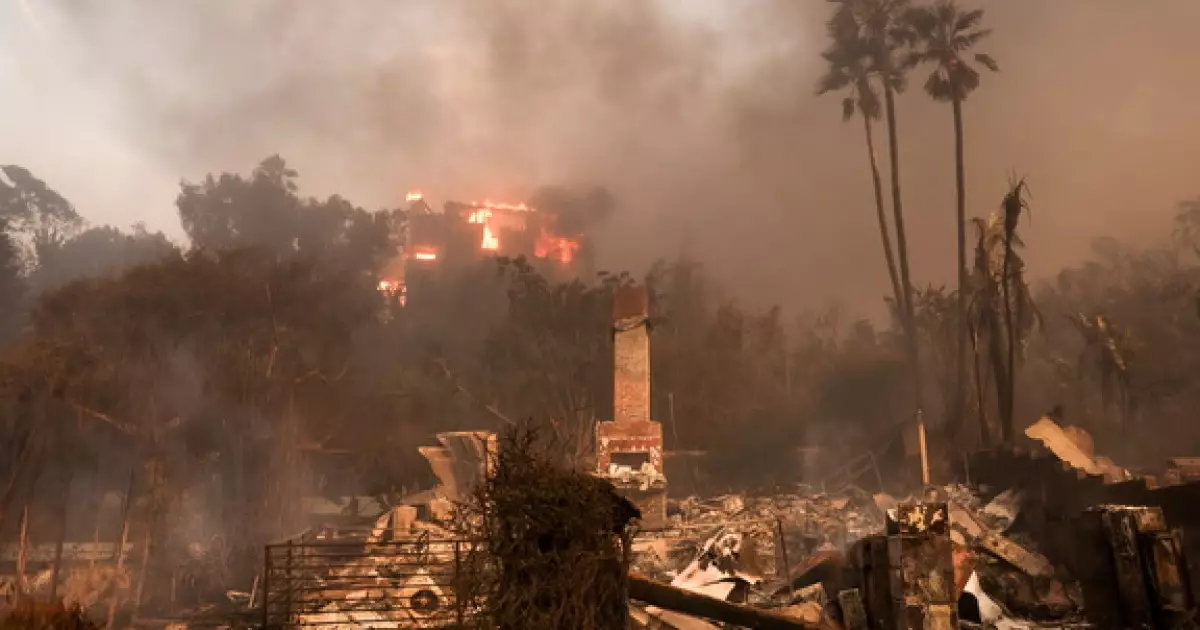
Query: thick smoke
{"points": [[698, 115]]}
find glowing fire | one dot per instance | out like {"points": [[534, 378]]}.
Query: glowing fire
{"points": [[389, 286], [394, 289], [489, 204], [495, 219], [489, 240], [415, 195], [557, 248]]}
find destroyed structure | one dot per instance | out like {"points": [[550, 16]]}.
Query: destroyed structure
{"points": [[1053, 536], [1035, 542], [460, 233], [629, 448]]}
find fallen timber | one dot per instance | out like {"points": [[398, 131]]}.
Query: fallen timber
{"points": [[668, 597]]}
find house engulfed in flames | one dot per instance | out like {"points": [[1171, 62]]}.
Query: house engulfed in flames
{"points": [[462, 233]]}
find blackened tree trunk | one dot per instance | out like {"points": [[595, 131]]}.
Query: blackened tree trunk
{"points": [[959, 401]]}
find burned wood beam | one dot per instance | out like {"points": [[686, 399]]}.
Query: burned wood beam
{"points": [[668, 597], [1133, 569]]}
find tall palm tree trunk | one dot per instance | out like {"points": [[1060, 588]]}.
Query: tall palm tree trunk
{"points": [[910, 328], [884, 234], [985, 437], [1000, 376], [906, 310], [1010, 331], [960, 386]]}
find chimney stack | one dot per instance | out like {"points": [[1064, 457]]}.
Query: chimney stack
{"points": [[629, 449], [631, 356]]}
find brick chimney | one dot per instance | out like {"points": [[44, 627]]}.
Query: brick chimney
{"points": [[631, 440], [631, 356]]}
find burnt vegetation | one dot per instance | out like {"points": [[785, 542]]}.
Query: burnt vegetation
{"points": [[543, 529]]}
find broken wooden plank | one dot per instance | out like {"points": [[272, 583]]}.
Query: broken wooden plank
{"points": [[1120, 527], [974, 532], [1030, 563]]}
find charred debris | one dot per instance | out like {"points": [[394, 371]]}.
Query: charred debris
{"points": [[1052, 537]]}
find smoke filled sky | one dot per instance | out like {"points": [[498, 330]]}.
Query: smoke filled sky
{"points": [[699, 115]]}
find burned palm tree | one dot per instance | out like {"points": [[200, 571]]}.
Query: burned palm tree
{"points": [[1014, 205], [1108, 349], [1000, 317]]}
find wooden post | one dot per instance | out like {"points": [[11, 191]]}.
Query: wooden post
{"points": [[119, 553], [922, 446], [23, 553], [154, 507], [266, 588], [1133, 569], [787, 566], [62, 535], [459, 586], [96, 532], [287, 584]]}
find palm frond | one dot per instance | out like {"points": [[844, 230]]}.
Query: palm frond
{"points": [[963, 80], [939, 86], [921, 21], [968, 20], [987, 61], [835, 78], [943, 33], [967, 40]]}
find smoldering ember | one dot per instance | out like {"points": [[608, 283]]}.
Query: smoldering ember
{"points": [[288, 411]]}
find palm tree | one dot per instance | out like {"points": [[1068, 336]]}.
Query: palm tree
{"points": [[1000, 313], [1108, 349], [1187, 224], [944, 34], [849, 69], [1012, 278], [880, 27]]}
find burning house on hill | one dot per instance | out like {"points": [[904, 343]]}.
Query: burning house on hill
{"points": [[462, 233]]}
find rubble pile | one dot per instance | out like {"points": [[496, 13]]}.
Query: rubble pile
{"points": [[952, 556], [728, 548], [644, 478], [395, 576], [807, 521]]}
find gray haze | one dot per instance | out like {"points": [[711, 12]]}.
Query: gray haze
{"points": [[698, 114]]}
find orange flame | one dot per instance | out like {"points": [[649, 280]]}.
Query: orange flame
{"points": [[425, 253], [557, 248], [414, 195], [489, 240], [489, 204]]}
